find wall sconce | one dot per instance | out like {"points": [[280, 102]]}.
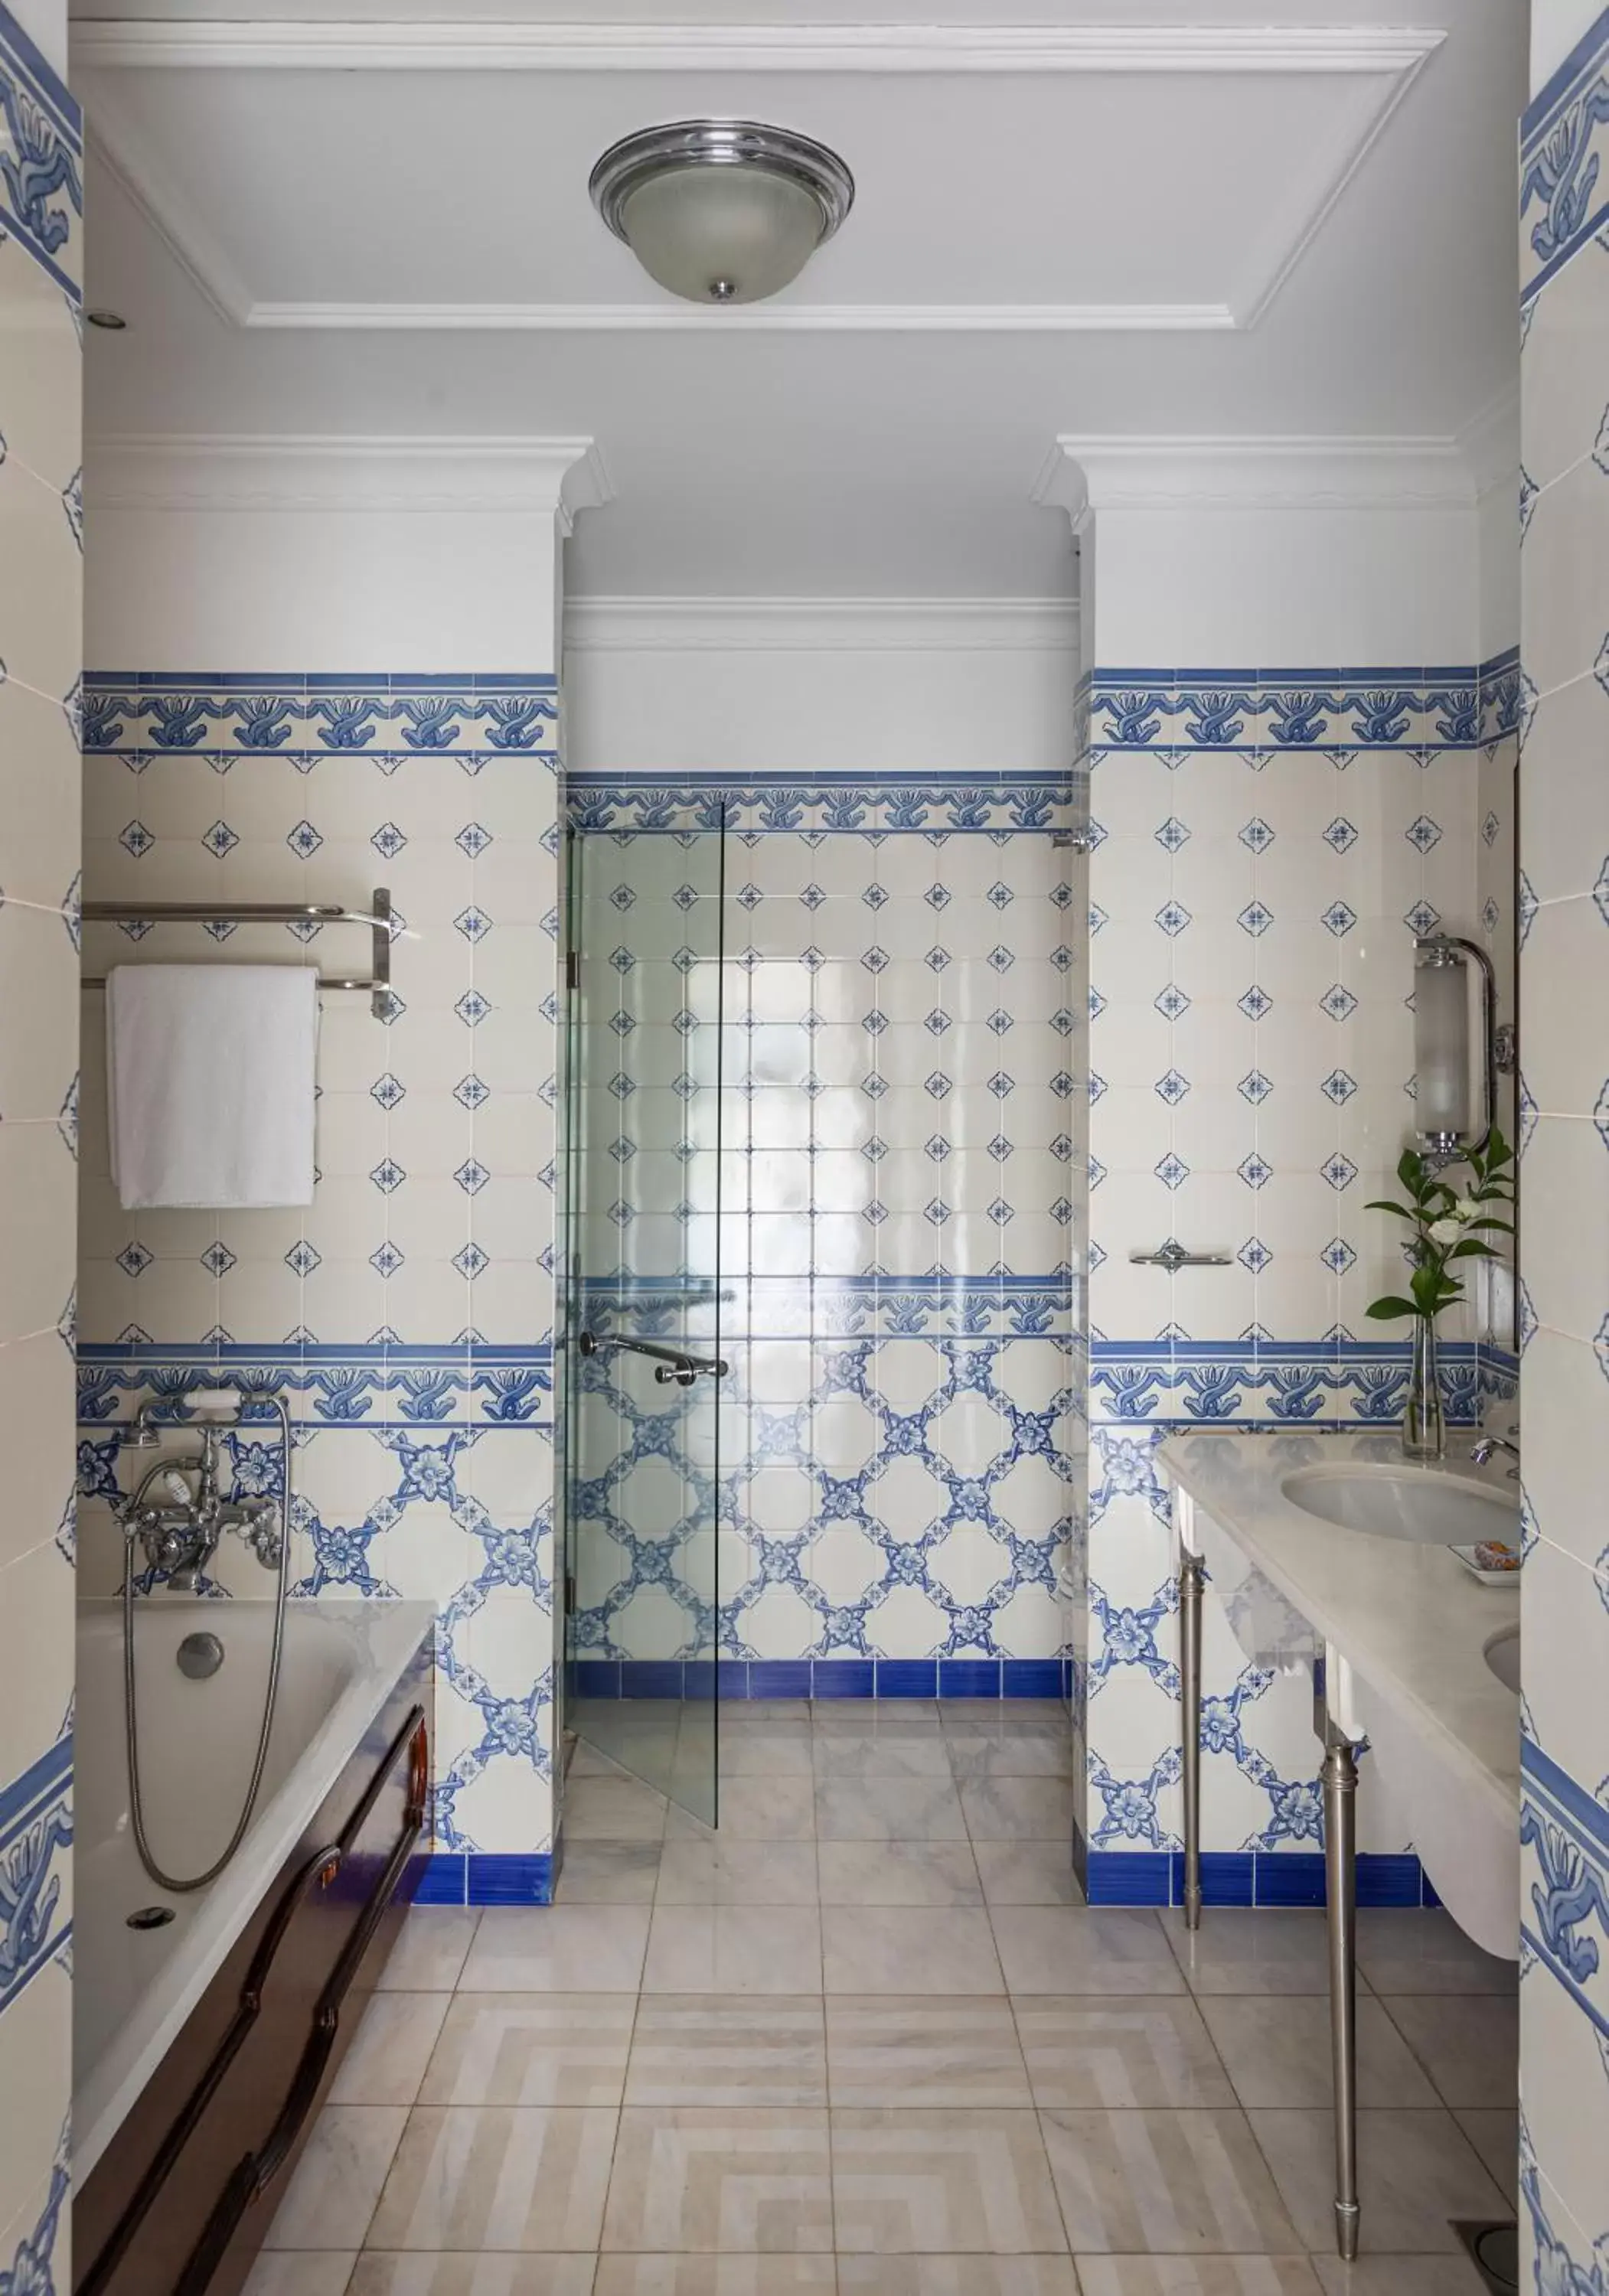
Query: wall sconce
{"points": [[1456, 1107]]}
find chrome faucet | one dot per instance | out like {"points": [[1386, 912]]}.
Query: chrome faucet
{"points": [[180, 1529], [1481, 1452]]}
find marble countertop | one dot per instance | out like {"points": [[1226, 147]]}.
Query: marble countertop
{"points": [[1410, 1619]]}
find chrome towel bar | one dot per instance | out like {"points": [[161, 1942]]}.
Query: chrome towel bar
{"points": [[378, 916], [1172, 1256]]}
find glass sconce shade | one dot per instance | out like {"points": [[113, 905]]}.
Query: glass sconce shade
{"points": [[722, 211], [1441, 1048]]}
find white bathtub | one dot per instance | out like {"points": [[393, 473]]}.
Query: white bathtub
{"points": [[134, 1988]]}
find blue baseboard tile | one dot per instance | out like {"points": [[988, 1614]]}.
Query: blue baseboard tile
{"points": [[779, 1677], [908, 1678], [598, 1677], [842, 1677], [1031, 1677], [496, 1879], [969, 1678], [444, 1882], [1244, 1878]]}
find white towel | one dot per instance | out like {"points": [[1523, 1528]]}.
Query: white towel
{"points": [[209, 1076]]}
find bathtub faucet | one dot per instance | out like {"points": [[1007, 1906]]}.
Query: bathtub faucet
{"points": [[179, 1529]]}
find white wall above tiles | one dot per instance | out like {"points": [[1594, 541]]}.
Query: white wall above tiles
{"points": [[1556, 26], [169, 585], [785, 684]]}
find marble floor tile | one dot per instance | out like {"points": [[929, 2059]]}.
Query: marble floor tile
{"points": [[734, 1949], [908, 1949], [1005, 1809], [889, 1809], [558, 1950], [608, 1874], [1136, 2184], [691, 2179], [1133, 2051], [892, 2051], [390, 2049], [943, 2183], [955, 2275], [532, 2048], [999, 1713], [613, 1810], [491, 2273], [715, 2275], [1026, 1873], [701, 2049], [333, 2190], [1035, 1749], [1415, 2170], [1469, 2043], [771, 1750], [1407, 1949], [1252, 1951], [723, 1873], [1399, 2275], [767, 1809], [1197, 2276], [897, 1873], [1495, 2133], [738, 1713], [300, 2272], [428, 1954], [853, 1716], [1083, 1949], [489, 2177], [884, 1753], [1276, 2048]]}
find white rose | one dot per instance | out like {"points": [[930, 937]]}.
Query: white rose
{"points": [[1465, 1209], [1446, 1230]]}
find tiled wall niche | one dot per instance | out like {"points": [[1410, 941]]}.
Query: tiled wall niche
{"points": [[407, 1313], [1565, 1127], [41, 260]]}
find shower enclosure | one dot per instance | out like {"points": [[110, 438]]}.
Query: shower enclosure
{"points": [[642, 1326]]}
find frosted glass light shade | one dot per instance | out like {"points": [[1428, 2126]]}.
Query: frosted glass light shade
{"points": [[722, 234], [1441, 1049], [722, 211]]}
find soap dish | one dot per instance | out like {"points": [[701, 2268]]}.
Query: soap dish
{"points": [[1490, 1561]]}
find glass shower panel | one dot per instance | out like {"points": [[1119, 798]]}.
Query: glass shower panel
{"points": [[645, 1363]]}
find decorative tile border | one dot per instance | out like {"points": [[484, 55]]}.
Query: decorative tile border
{"points": [[42, 168], [35, 1853], [1565, 1921], [1315, 1383], [381, 1384], [854, 1306], [1563, 141], [755, 804], [1337, 712], [227, 716]]}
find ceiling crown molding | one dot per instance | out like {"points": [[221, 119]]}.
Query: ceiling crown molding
{"points": [[753, 318], [528, 476], [453, 45], [777, 624], [1081, 475]]}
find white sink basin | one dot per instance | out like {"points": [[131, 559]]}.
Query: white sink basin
{"points": [[1402, 1502], [1503, 1657]]}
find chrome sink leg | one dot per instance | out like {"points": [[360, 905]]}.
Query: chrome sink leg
{"points": [[1341, 1896], [1192, 1578]]}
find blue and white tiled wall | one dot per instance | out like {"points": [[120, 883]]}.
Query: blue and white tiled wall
{"points": [[1564, 1132], [41, 266], [900, 1453], [407, 1313], [1268, 843]]}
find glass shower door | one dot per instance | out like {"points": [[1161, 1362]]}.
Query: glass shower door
{"points": [[644, 1368]]}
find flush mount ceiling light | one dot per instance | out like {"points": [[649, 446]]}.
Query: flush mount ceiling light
{"points": [[721, 210]]}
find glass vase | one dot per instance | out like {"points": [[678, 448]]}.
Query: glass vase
{"points": [[1423, 1430]]}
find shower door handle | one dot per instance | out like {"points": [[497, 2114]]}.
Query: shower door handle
{"points": [[675, 1366]]}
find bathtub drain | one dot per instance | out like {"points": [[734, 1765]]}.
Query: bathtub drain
{"points": [[151, 1917], [200, 1656]]}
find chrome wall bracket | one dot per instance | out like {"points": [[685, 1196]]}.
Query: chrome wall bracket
{"points": [[1173, 1256]]}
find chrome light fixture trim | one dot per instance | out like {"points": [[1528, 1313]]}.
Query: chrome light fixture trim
{"points": [[650, 151]]}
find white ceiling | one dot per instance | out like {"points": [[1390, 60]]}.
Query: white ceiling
{"points": [[1228, 228]]}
